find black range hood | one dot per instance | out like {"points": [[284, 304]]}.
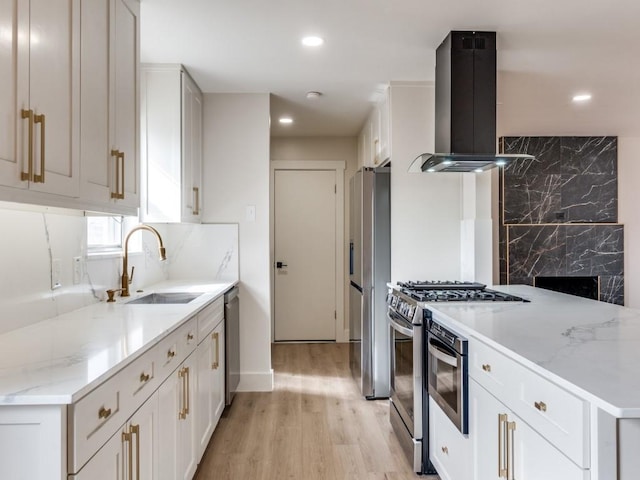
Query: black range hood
{"points": [[465, 123]]}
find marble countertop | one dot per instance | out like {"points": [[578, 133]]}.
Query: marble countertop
{"points": [[59, 360], [590, 348]]}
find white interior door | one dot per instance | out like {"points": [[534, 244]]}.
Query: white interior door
{"points": [[305, 249]]}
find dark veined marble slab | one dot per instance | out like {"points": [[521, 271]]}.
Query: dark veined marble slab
{"points": [[566, 250], [571, 180]]}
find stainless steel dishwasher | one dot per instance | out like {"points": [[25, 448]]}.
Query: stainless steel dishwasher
{"points": [[232, 342]]}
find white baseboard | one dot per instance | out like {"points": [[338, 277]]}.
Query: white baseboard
{"points": [[256, 381], [343, 336]]}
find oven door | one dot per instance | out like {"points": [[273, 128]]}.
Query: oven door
{"points": [[447, 381], [406, 372]]}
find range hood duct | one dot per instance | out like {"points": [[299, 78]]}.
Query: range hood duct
{"points": [[465, 106]]}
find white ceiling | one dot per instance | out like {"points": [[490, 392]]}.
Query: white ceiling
{"points": [[547, 51]]}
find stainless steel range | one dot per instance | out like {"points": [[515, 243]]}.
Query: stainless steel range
{"points": [[409, 317]]}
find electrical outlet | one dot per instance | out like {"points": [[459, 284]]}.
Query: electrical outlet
{"points": [[56, 269], [77, 270]]}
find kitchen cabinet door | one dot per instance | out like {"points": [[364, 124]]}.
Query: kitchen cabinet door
{"points": [[143, 430], [41, 61], [211, 393], [171, 136], [486, 415], [110, 462], [125, 35], [109, 107], [9, 121], [176, 430], [191, 150]]}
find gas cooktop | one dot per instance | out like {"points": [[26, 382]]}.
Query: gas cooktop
{"points": [[454, 291]]}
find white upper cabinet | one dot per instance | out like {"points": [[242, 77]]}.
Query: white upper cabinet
{"points": [[375, 138], [109, 105], [171, 138], [39, 99]]}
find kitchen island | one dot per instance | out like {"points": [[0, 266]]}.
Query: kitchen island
{"points": [[560, 371], [69, 384]]}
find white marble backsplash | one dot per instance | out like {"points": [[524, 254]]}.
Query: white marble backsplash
{"points": [[33, 237]]}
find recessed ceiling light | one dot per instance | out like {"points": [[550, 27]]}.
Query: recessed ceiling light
{"points": [[312, 41], [478, 170], [314, 94], [583, 97], [286, 120]]}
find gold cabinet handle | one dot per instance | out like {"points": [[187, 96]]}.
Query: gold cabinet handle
{"points": [[41, 120], [116, 154], [502, 467], [28, 175], [511, 427], [119, 190], [182, 414], [486, 367], [445, 450], [121, 156], [196, 202], [540, 406], [104, 412], [216, 363], [135, 430], [186, 410], [189, 336], [126, 437], [144, 377], [171, 353]]}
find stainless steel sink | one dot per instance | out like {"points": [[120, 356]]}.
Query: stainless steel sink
{"points": [[163, 298]]}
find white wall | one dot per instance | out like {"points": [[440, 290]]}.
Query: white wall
{"points": [[425, 209], [235, 175], [343, 149], [628, 202]]}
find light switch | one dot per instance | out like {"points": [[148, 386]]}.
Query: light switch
{"points": [[56, 267], [250, 213]]}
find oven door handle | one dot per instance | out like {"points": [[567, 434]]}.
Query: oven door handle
{"points": [[400, 328], [442, 355]]}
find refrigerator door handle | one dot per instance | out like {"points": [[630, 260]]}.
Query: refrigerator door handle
{"points": [[350, 258]]}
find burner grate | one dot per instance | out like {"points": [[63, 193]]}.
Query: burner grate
{"points": [[441, 285]]}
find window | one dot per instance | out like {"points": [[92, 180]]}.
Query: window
{"points": [[105, 234]]}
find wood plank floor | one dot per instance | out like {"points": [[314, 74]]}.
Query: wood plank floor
{"points": [[314, 425]]}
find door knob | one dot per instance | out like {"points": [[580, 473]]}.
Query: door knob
{"points": [[280, 265]]}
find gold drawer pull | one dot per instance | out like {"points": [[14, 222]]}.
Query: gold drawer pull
{"points": [[104, 412], [486, 367], [190, 336], [445, 450], [171, 353], [540, 406], [144, 377]]}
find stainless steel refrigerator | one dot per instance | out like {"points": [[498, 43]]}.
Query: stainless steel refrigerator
{"points": [[370, 271]]}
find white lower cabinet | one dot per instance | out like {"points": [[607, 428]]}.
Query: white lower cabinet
{"points": [[130, 454], [177, 439], [211, 386], [505, 447], [449, 450]]}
